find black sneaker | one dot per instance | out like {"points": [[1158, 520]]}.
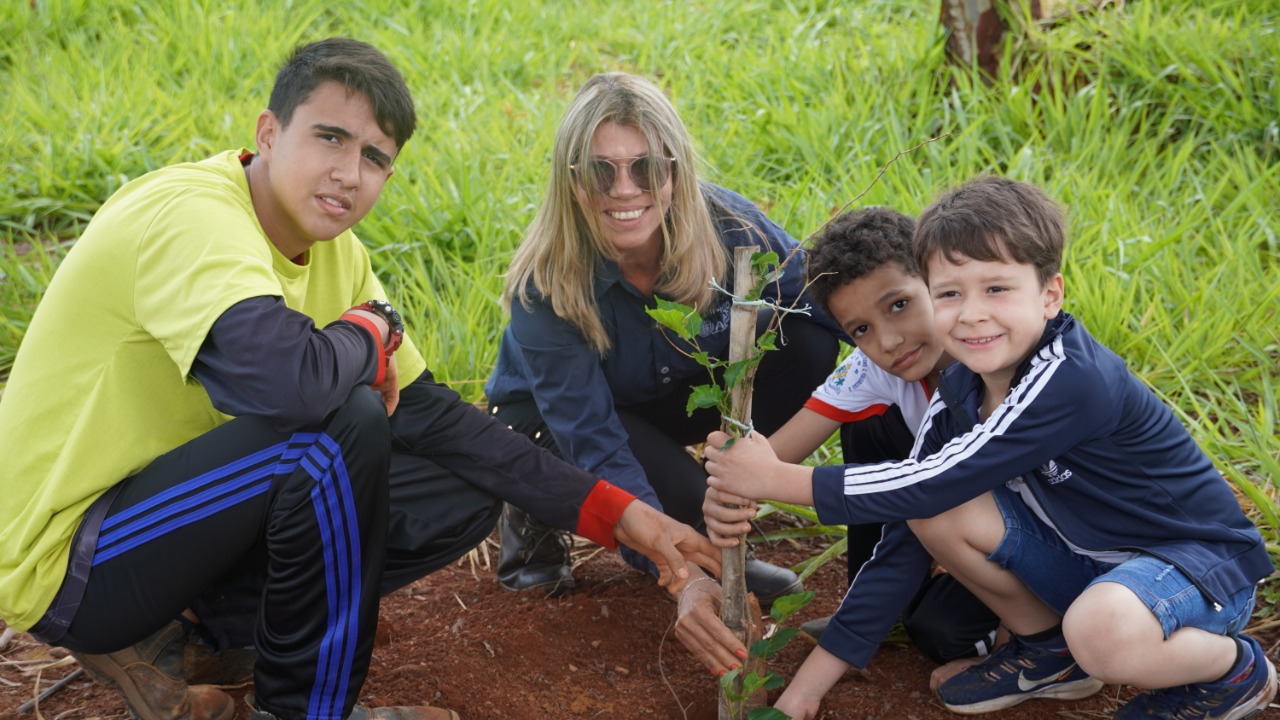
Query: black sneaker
{"points": [[769, 582]]}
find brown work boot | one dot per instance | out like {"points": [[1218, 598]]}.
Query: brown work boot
{"points": [[360, 712], [150, 676], [232, 668]]}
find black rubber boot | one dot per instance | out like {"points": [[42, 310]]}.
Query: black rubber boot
{"points": [[533, 554], [769, 582]]}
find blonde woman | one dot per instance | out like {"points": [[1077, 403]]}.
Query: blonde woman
{"points": [[582, 369]]}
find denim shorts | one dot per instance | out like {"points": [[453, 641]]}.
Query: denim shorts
{"points": [[1057, 575]]}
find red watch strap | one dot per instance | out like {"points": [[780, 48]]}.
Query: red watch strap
{"points": [[367, 324]]}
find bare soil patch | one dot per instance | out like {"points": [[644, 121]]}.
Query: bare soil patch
{"points": [[456, 639]]}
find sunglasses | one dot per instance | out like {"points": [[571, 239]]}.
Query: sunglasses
{"points": [[602, 173]]}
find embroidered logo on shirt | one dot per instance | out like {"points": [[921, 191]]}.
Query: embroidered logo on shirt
{"points": [[1053, 473], [838, 377], [716, 321]]}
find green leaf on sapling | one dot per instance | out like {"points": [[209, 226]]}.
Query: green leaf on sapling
{"points": [[735, 371], [762, 261], [770, 646], [704, 396], [787, 605], [678, 318], [753, 683], [726, 684], [767, 341]]}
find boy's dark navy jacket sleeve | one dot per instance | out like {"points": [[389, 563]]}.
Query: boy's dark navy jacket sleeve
{"points": [[1025, 431], [877, 596]]}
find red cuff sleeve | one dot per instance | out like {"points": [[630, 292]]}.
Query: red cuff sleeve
{"points": [[601, 512], [377, 342], [831, 412]]}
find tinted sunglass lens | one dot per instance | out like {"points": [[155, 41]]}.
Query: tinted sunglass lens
{"points": [[604, 173], [640, 173], [643, 168]]}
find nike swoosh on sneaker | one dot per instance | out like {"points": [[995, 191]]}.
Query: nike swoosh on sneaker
{"points": [[1026, 684]]}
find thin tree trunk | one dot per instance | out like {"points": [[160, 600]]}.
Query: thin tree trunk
{"points": [[742, 334]]}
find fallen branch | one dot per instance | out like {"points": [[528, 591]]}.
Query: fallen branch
{"points": [[35, 702]]}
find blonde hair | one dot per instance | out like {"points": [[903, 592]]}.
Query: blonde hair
{"points": [[561, 249]]}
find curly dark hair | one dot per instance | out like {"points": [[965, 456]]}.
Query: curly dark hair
{"points": [[856, 244]]}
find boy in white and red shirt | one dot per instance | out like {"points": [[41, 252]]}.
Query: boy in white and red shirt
{"points": [[863, 273]]}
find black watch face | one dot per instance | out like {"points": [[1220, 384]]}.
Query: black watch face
{"points": [[388, 313]]}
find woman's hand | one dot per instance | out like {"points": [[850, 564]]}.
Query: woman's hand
{"points": [[668, 543], [700, 630]]}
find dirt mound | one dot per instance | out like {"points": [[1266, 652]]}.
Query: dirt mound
{"points": [[458, 640]]}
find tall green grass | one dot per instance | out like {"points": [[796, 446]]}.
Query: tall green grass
{"points": [[1155, 124]]}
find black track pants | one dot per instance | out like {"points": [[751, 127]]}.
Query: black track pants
{"points": [[297, 521]]}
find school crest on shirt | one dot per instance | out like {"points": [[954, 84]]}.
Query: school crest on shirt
{"points": [[840, 375], [856, 367]]}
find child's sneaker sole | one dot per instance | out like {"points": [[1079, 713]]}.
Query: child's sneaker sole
{"points": [[1076, 690]]}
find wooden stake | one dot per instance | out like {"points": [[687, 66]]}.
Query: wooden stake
{"points": [[742, 346]]}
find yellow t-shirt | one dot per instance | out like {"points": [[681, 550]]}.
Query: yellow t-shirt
{"points": [[101, 385]]}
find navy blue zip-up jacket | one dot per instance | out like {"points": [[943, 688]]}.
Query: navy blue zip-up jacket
{"points": [[544, 357], [1107, 460]]}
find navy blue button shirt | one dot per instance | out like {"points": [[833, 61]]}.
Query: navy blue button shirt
{"points": [[546, 358]]}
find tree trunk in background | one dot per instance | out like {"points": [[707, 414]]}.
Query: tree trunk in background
{"points": [[976, 31]]}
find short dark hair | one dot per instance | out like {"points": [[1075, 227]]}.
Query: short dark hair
{"points": [[357, 66], [856, 244], [992, 218]]}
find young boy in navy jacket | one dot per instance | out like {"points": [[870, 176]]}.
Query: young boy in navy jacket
{"points": [[1052, 483]]}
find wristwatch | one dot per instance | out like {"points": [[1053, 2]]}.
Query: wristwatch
{"points": [[383, 309]]}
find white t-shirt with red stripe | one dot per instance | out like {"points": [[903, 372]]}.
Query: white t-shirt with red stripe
{"points": [[858, 389]]}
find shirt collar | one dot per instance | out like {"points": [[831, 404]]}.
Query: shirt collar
{"points": [[608, 274]]}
